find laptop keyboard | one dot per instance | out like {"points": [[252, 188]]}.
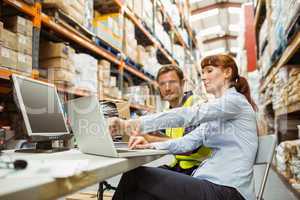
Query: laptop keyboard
{"points": [[123, 150]]}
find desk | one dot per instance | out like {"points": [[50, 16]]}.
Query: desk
{"points": [[32, 185]]}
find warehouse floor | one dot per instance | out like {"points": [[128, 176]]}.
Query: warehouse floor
{"points": [[275, 189]]}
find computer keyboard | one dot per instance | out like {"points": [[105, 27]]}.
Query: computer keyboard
{"points": [[124, 150]]}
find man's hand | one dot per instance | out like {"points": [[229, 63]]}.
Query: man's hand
{"points": [[119, 126], [116, 125]]}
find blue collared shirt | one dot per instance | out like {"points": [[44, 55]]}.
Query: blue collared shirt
{"points": [[228, 126]]}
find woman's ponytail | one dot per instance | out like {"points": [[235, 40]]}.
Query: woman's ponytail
{"points": [[242, 86]]}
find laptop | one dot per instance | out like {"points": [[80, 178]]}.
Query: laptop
{"points": [[92, 134]]}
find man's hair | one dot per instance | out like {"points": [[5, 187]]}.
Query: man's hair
{"points": [[168, 68]]}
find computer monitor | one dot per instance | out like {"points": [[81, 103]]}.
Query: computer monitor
{"points": [[42, 112]]}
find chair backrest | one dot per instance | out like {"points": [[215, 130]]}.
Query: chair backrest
{"points": [[266, 148], [265, 152]]}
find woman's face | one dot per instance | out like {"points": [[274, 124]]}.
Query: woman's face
{"points": [[214, 79]]}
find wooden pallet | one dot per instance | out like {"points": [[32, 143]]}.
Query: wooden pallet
{"points": [[69, 22], [107, 6], [108, 47]]}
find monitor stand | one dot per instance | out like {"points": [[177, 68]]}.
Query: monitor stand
{"points": [[43, 147]]}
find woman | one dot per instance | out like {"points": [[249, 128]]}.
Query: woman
{"points": [[227, 124]]}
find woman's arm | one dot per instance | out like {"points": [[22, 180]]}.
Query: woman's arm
{"points": [[224, 108], [187, 143]]}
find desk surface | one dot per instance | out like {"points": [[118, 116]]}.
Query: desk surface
{"points": [[38, 183]]}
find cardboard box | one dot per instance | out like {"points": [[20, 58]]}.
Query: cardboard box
{"points": [[24, 44], [103, 91], [58, 63], [104, 82], [24, 63], [103, 70], [104, 63], [20, 25], [138, 8], [55, 50], [141, 55], [113, 81], [61, 76], [123, 110], [9, 39], [8, 58]]}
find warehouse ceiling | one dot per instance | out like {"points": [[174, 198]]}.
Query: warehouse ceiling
{"points": [[217, 24]]}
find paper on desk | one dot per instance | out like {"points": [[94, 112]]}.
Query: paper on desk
{"points": [[63, 168]]}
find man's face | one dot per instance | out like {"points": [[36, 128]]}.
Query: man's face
{"points": [[170, 86]]}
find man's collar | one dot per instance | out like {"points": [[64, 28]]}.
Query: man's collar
{"points": [[186, 95]]}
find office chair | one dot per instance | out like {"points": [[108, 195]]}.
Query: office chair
{"points": [[264, 156]]}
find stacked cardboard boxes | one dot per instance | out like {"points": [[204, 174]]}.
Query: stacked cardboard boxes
{"points": [[147, 14], [130, 43], [137, 94], [286, 87], [151, 64], [103, 78], [8, 49], [288, 162], [294, 86], [56, 58], [179, 54], [16, 49], [23, 30], [141, 55], [107, 84], [109, 27], [86, 72]]}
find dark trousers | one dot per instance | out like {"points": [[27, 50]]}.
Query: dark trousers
{"points": [[149, 183], [178, 169]]}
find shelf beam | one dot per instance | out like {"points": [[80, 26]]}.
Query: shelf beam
{"points": [[288, 109], [225, 37]]}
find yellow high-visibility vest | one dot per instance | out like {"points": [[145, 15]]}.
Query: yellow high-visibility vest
{"points": [[193, 159]]}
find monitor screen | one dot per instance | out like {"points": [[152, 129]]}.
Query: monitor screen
{"points": [[40, 107]]}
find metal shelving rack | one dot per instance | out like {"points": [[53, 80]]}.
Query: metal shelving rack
{"points": [[285, 113]]}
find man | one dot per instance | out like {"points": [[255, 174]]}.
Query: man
{"points": [[170, 79]]}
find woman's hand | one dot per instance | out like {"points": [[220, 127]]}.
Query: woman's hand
{"points": [[134, 141], [119, 126], [139, 142]]}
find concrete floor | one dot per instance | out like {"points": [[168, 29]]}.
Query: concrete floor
{"points": [[275, 189]]}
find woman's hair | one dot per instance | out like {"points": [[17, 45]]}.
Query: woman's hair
{"points": [[237, 81]]}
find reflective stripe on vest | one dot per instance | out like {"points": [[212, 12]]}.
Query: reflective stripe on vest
{"points": [[193, 159]]}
